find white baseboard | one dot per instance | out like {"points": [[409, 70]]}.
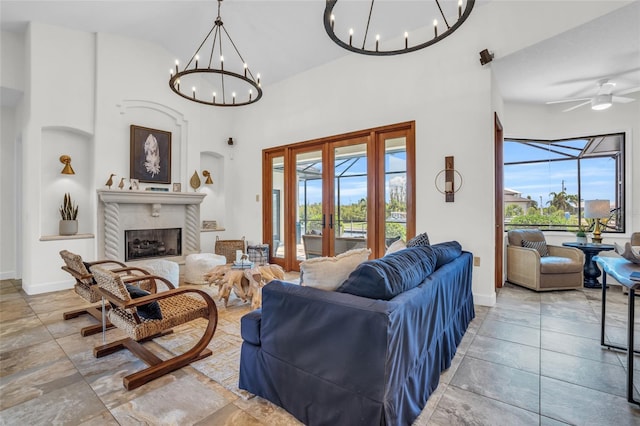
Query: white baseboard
{"points": [[46, 287], [484, 299], [8, 275]]}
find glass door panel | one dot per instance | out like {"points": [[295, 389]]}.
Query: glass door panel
{"points": [[349, 216], [309, 195], [395, 189], [277, 207]]}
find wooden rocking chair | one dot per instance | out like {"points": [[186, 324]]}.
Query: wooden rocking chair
{"points": [[85, 285], [176, 307]]}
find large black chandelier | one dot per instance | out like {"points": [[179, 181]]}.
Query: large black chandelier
{"points": [[447, 16], [214, 83]]}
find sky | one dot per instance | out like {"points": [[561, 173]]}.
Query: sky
{"points": [[540, 179]]}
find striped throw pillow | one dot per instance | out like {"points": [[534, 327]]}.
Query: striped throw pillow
{"points": [[541, 246]]}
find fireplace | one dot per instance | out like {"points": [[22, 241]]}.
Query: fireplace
{"points": [[150, 243], [120, 211]]}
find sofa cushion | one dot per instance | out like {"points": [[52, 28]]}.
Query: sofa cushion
{"points": [[327, 273], [419, 240], [149, 311], [397, 245], [391, 275], [446, 252], [541, 246]]}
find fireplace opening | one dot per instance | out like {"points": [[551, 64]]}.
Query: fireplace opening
{"points": [[148, 243]]}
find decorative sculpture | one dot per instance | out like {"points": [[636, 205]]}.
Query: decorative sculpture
{"points": [[110, 181]]}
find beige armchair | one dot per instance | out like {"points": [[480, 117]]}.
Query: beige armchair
{"points": [[561, 270]]}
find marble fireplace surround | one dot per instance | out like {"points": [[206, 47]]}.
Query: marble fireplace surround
{"points": [[123, 210]]}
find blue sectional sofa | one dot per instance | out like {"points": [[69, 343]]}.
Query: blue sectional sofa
{"points": [[337, 358]]}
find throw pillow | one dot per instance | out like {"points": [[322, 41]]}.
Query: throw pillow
{"points": [[327, 273], [149, 311], [446, 252], [541, 246], [391, 275], [419, 240], [397, 245]]}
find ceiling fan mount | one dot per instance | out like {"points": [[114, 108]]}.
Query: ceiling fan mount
{"points": [[603, 99]]}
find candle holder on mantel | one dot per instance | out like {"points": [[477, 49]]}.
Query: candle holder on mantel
{"points": [[445, 180]]}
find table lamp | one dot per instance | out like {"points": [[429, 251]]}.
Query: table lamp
{"points": [[596, 210]]}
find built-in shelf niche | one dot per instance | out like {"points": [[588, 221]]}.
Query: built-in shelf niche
{"points": [[57, 141]]}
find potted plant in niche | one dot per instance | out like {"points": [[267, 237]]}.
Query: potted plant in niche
{"points": [[69, 214], [581, 235]]}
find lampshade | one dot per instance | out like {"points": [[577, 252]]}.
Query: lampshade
{"points": [[596, 209], [67, 169]]}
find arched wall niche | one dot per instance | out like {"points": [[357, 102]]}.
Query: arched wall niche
{"points": [[78, 144], [159, 116], [213, 206]]}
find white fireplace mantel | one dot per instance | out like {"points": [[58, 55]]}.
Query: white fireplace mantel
{"points": [[146, 214], [149, 197]]}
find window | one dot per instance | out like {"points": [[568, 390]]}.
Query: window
{"points": [[546, 182]]}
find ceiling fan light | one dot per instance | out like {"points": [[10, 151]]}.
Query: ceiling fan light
{"points": [[601, 102]]}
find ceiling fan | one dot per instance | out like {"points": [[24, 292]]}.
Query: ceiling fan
{"points": [[603, 99]]}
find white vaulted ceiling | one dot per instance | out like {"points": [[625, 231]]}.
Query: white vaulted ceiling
{"points": [[283, 38]]}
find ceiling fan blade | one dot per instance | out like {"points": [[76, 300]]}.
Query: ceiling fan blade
{"points": [[568, 100], [622, 99], [577, 106], [629, 91]]}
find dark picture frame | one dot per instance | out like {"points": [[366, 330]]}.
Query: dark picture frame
{"points": [[150, 159]]}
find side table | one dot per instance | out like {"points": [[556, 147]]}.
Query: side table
{"points": [[591, 271]]}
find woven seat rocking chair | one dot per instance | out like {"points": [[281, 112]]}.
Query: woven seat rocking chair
{"points": [[177, 307], [85, 286]]}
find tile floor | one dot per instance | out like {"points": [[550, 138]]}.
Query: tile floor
{"points": [[532, 359]]}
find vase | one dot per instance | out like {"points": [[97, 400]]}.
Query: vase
{"points": [[581, 240], [68, 227]]}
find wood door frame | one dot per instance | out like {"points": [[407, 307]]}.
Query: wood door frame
{"points": [[375, 186], [499, 200]]}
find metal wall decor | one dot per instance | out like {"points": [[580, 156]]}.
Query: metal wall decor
{"points": [[446, 182], [215, 84], [447, 16]]}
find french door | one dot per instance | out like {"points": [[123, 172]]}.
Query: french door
{"points": [[328, 196]]}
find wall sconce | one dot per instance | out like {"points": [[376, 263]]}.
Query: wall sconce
{"points": [[66, 170], [597, 210], [207, 174], [448, 186]]}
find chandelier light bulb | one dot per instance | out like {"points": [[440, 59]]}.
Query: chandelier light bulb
{"points": [[377, 41], [459, 8], [350, 36], [435, 27], [333, 20], [234, 97], [406, 39], [197, 57], [177, 63]]}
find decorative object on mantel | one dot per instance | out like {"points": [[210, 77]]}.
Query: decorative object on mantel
{"points": [[121, 184], [67, 169], [207, 174], [195, 181], [445, 180], [597, 210], [209, 224], [134, 184], [393, 44], [153, 188], [69, 213], [150, 158], [207, 75], [109, 182], [177, 187]]}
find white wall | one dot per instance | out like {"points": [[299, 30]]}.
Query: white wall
{"points": [[8, 172]]}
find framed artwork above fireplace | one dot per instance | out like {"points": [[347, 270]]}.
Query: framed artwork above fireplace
{"points": [[150, 159]]}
